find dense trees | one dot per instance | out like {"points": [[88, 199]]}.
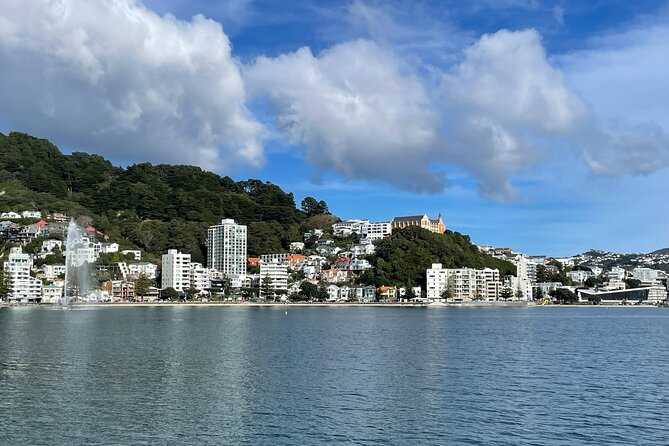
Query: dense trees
{"points": [[151, 207], [311, 206], [404, 257]]}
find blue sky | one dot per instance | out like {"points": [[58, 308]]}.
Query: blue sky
{"points": [[539, 125]]}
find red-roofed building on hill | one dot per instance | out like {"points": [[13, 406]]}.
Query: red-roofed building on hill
{"points": [[40, 224]]}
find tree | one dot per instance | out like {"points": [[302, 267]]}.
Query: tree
{"points": [[564, 296], [169, 293], [312, 207], [266, 287], [632, 283], [5, 284], [142, 285], [506, 293], [537, 294], [447, 293], [309, 290], [191, 293], [519, 293]]}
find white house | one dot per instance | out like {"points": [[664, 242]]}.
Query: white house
{"points": [[10, 215], [31, 214], [135, 252]]}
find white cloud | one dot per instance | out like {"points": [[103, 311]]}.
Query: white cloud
{"points": [[509, 106], [357, 110], [502, 98], [115, 77]]}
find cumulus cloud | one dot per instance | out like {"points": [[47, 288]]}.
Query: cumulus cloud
{"points": [[511, 106], [115, 77], [356, 109], [504, 96]]}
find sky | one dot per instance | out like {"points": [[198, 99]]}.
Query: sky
{"points": [[537, 125]]}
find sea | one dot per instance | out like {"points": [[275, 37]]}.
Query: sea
{"points": [[353, 375]]}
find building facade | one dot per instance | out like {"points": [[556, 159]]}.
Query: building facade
{"points": [[226, 247], [175, 270], [273, 278], [17, 268], [422, 221], [462, 284]]}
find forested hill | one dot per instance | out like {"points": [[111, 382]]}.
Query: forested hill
{"points": [[151, 207]]}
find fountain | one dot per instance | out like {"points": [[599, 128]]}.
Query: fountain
{"points": [[77, 278]]}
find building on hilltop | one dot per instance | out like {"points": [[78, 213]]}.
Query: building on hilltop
{"points": [[422, 221], [226, 247], [175, 270]]}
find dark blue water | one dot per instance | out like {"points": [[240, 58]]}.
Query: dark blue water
{"points": [[540, 376]]}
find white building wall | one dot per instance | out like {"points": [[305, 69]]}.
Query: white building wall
{"points": [[277, 275], [17, 268], [227, 247], [176, 270]]}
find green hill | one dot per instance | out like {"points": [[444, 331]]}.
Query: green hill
{"points": [[154, 207], [403, 257], [157, 207]]}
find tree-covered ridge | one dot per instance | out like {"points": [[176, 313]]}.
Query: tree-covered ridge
{"points": [[404, 257], [152, 207]]}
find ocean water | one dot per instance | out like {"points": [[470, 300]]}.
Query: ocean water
{"points": [[348, 375]]}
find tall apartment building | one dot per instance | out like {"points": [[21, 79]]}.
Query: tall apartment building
{"points": [[17, 269], [422, 221], [526, 276], [273, 276], [175, 270], [226, 248], [463, 283]]}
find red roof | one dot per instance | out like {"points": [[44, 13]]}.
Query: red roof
{"points": [[90, 229], [41, 224]]}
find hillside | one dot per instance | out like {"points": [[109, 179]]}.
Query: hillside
{"points": [[153, 207], [163, 206], [607, 260], [403, 257]]}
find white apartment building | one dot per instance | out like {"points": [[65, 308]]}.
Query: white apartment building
{"points": [[176, 270], [134, 270], [275, 274], [199, 277], [526, 276], [31, 214], [53, 271], [579, 276], [647, 275], [617, 274], [227, 247], [463, 283], [376, 231], [17, 268], [81, 254], [50, 245], [348, 227]]}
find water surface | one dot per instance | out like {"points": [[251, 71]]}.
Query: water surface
{"points": [[349, 375]]}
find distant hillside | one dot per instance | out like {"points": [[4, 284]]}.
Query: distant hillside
{"points": [[607, 260], [151, 207]]}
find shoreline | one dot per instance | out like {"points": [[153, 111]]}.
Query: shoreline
{"points": [[320, 304]]}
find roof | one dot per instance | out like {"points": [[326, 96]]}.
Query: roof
{"points": [[409, 218]]}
